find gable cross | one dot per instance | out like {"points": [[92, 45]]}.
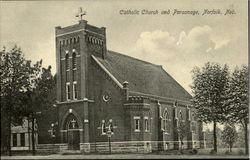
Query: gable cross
{"points": [[80, 13]]}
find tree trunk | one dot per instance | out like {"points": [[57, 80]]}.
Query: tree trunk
{"points": [[230, 148], [181, 146], [33, 135], [9, 135], [215, 138], [29, 133], [246, 137]]}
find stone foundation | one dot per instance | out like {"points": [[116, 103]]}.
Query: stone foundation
{"points": [[85, 147], [122, 147], [52, 148], [119, 147]]}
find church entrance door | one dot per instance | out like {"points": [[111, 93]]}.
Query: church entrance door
{"points": [[73, 140], [73, 133]]}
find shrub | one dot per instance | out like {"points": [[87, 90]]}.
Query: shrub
{"points": [[212, 151], [240, 152], [194, 151], [227, 152]]}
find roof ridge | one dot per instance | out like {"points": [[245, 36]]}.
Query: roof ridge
{"points": [[137, 59]]}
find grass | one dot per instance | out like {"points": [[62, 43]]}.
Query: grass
{"points": [[202, 154], [222, 151]]}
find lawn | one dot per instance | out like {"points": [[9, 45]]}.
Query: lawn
{"points": [[202, 154]]}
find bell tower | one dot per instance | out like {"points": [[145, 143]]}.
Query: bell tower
{"points": [[74, 46]]}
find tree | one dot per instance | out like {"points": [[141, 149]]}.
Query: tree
{"points": [[210, 84], [182, 132], [16, 74], [229, 136], [39, 97], [241, 140], [238, 100]]}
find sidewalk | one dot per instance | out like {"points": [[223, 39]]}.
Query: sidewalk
{"points": [[125, 156]]}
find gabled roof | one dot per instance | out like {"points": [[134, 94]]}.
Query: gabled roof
{"points": [[143, 76]]}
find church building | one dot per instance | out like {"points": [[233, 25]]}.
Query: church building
{"points": [[103, 95]]}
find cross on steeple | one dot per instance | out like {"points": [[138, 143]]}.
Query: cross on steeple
{"points": [[80, 13]]}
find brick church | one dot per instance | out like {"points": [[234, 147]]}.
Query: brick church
{"points": [[102, 93]]}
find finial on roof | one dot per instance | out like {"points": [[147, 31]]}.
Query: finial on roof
{"points": [[125, 84]]}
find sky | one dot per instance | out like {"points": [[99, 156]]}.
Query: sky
{"points": [[177, 42]]}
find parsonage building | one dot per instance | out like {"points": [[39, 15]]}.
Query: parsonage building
{"points": [[102, 94]]}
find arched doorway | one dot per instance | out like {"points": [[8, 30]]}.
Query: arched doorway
{"points": [[73, 132]]}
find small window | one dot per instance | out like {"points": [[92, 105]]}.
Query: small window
{"points": [[137, 124], [194, 118], [146, 124], [194, 128], [14, 139], [75, 90], [52, 130], [111, 128], [22, 139], [67, 91], [103, 127], [181, 116]]}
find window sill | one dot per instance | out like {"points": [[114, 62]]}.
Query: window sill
{"points": [[103, 134], [137, 131]]}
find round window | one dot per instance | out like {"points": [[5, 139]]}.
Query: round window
{"points": [[106, 96]]}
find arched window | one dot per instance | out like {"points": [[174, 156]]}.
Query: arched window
{"points": [[181, 116], [111, 126], [75, 95], [67, 61], [146, 124], [103, 127], [166, 122], [74, 60], [194, 123]]}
